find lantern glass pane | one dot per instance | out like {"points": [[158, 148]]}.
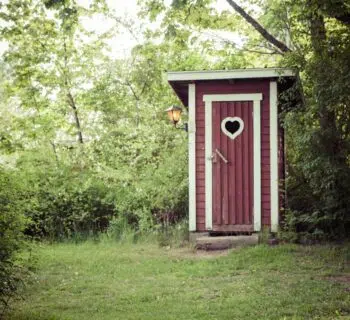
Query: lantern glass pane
{"points": [[176, 115], [170, 115]]}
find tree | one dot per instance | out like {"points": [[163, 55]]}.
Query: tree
{"points": [[122, 164], [52, 57]]}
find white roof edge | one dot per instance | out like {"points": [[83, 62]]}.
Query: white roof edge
{"points": [[230, 74]]}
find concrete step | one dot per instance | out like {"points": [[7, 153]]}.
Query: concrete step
{"points": [[225, 242]]}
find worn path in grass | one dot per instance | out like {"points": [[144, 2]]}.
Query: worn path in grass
{"points": [[114, 281]]}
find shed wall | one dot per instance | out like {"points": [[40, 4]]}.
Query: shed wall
{"points": [[226, 87]]}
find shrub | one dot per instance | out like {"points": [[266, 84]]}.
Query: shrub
{"points": [[11, 238], [64, 213]]}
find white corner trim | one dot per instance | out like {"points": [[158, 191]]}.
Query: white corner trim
{"points": [[232, 97], [230, 74], [192, 156], [209, 99], [208, 167], [274, 157]]}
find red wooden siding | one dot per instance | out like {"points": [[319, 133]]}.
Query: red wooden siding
{"points": [[224, 87], [281, 171]]}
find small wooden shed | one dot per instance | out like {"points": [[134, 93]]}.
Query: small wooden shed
{"points": [[236, 147]]}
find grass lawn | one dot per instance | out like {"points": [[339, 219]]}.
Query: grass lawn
{"points": [[142, 281]]}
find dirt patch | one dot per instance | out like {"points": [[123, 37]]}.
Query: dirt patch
{"points": [[343, 279], [191, 253]]}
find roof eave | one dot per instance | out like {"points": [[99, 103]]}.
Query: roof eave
{"points": [[230, 74]]}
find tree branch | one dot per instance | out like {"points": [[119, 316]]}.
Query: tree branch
{"points": [[260, 52], [318, 33], [258, 27], [71, 102], [70, 98], [55, 152]]}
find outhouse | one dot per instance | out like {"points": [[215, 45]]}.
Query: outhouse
{"points": [[236, 147]]}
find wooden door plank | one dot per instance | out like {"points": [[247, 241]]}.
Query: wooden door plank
{"points": [[231, 173], [239, 169], [251, 162], [217, 165], [225, 110]]}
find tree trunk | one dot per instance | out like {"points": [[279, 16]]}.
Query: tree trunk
{"points": [[327, 118], [55, 152], [258, 27], [70, 98], [72, 104]]}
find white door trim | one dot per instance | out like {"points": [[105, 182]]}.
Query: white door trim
{"points": [[232, 97], [192, 156], [274, 157], [209, 99]]}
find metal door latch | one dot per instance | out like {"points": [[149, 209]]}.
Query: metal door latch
{"points": [[221, 156]]}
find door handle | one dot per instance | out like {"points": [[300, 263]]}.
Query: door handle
{"points": [[221, 156]]}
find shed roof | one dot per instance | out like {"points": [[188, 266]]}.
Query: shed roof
{"points": [[179, 80]]}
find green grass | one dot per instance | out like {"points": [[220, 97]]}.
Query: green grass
{"points": [[124, 281]]}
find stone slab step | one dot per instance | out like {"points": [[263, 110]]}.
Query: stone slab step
{"points": [[225, 242]]}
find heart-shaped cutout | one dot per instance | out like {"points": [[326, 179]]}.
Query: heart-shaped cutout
{"points": [[232, 126]]}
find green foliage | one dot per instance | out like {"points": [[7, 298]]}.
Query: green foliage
{"points": [[127, 164], [318, 134], [174, 236], [75, 198], [12, 223]]}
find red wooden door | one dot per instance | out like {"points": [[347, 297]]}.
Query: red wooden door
{"points": [[232, 143]]}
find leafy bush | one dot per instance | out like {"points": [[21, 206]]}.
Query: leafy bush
{"points": [[318, 184], [11, 238], [67, 212], [145, 187], [176, 235]]}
